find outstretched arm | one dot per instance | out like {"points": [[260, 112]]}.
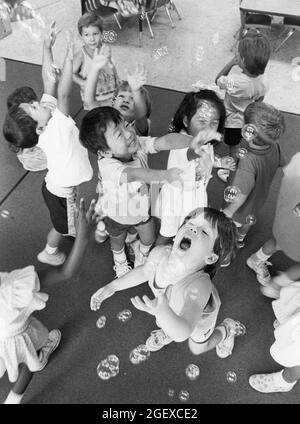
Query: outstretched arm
{"points": [[136, 80], [48, 75], [227, 68], [150, 175], [86, 224], [66, 80]]}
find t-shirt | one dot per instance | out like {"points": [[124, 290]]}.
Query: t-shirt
{"points": [[126, 203], [254, 176], [67, 160], [241, 90]]}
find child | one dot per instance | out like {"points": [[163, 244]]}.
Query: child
{"points": [[250, 185], [90, 30], [48, 125], [186, 302], [245, 87], [123, 171], [32, 159], [198, 111], [286, 234], [25, 343]]}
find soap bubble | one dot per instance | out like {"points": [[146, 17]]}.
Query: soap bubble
{"points": [[231, 193], [183, 395], [109, 36], [242, 153], [113, 362], [249, 132], [100, 323], [171, 393], [296, 210], [240, 329], [160, 52], [108, 367], [199, 53], [139, 354], [124, 316], [231, 377], [5, 213], [192, 371], [250, 220]]}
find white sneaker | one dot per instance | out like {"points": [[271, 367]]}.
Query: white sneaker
{"points": [[225, 347], [270, 383], [157, 340], [139, 257], [260, 268], [121, 269], [55, 259], [52, 343]]}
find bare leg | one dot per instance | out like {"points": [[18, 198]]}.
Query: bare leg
{"points": [[211, 343], [19, 387], [53, 238], [270, 247], [290, 375], [147, 233], [293, 272], [117, 243]]}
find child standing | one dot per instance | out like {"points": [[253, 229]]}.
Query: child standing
{"points": [[245, 87], [250, 185], [48, 125], [25, 343], [186, 302], [90, 30]]}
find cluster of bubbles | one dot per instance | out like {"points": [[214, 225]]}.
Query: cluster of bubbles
{"points": [[139, 354], [192, 371], [160, 52], [231, 377], [101, 321], [31, 20], [124, 315], [199, 52], [296, 210], [108, 367], [109, 36], [231, 193]]}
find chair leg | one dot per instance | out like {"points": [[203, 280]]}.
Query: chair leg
{"points": [[290, 33], [149, 25], [176, 10], [153, 15], [170, 17], [140, 31], [117, 20]]}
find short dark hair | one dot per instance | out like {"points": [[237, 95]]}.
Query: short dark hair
{"points": [[94, 125], [124, 86], [21, 95], [268, 120], [254, 49], [90, 19], [19, 128]]}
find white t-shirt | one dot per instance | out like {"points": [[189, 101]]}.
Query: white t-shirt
{"points": [[241, 90], [67, 159], [126, 203]]}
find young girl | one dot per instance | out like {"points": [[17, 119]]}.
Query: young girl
{"points": [[186, 302], [199, 111], [25, 343], [90, 30]]}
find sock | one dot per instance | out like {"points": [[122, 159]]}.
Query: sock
{"points": [[50, 250], [13, 398], [119, 257], [282, 280], [280, 381], [262, 256], [145, 249], [130, 237]]}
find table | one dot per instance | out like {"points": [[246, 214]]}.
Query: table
{"points": [[284, 8]]}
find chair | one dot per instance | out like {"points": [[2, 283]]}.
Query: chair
{"points": [[294, 25], [103, 11], [150, 7]]}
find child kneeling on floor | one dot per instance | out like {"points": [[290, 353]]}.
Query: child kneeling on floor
{"points": [[186, 302]]}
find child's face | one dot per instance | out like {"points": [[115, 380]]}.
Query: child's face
{"points": [[194, 243], [125, 105], [206, 116], [39, 112], [122, 141], [91, 37]]}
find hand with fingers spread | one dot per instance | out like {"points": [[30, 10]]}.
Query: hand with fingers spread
{"points": [[173, 175], [153, 307], [87, 220], [100, 295], [204, 163], [50, 38], [138, 78], [228, 162], [203, 137], [101, 57]]}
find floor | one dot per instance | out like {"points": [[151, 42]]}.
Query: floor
{"points": [[70, 377], [196, 49]]}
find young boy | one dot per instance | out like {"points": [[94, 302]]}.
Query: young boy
{"points": [[124, 175], [48, 125], [251, 182], [90, 30], [244, 87], [186, 302]]}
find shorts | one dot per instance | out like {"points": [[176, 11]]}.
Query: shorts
{"points": [[232, 136], [115, 229], [62, 211]]}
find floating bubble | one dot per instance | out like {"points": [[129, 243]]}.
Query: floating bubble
{"points": [[242, 153], [199, 53], [171, 393], [5, 213], [231, 377], [125, 315], [108, 367], [101, 321], [216, 38], [231, 193], [110, 36], [296, 210], [250, 220], [160, 52], [183, 395], [240, 329], [114, 363], [192, 371], [249, 132], [139, 354]]}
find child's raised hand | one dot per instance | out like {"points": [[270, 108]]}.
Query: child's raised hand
{"points": [[50, 38], [101, 57], [138, 78], [228, 162], [100, 295], [203, 137], [87, 220], [204, 163], [173, 175], [152, 307]]}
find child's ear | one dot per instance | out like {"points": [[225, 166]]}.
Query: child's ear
{"points": [[212, 259], [40, 129]]}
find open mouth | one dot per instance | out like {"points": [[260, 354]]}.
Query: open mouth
{"points": [[124, 107], [185, 243]]}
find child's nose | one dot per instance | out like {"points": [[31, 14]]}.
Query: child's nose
{"points": [[194, 230]]}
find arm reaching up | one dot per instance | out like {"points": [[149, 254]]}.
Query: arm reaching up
{"points": [[136, 80], [49, 79]]}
